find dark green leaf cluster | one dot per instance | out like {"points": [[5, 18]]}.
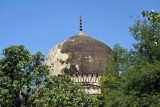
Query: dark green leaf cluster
{"points": [[153, 16]]}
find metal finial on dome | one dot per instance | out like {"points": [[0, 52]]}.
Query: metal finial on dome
{"points": [[80, 24]]}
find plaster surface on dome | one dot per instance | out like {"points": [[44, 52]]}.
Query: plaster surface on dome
{"points": [[55, 59]]}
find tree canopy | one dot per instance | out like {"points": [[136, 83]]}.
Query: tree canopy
{"points": [[138, 83], [21, 75]]}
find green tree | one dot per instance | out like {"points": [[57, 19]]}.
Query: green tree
{"points": [[147, 35], [138, 84], [142, 85], [112, 94], [21, 75]]}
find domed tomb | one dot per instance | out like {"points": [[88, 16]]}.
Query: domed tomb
{"points": [[78, 54], [83, 58]]}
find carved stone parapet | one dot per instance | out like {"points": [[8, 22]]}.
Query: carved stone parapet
{"points": [[88, 82]]}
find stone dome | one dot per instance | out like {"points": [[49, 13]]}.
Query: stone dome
{"points": [[80, 54]]}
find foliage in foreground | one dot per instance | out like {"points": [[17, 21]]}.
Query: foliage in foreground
{"points": [[61, 92], [138, 84], [140, 88], [24, 81]]}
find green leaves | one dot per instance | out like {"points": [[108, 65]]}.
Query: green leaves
{"points": [[152, 16], [147, 37], [18, 70]]}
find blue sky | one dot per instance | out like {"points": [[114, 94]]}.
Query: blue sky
{"points": [[41, 24]]}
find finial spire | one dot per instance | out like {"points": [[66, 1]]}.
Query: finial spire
{"points": [[80, 24]]}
